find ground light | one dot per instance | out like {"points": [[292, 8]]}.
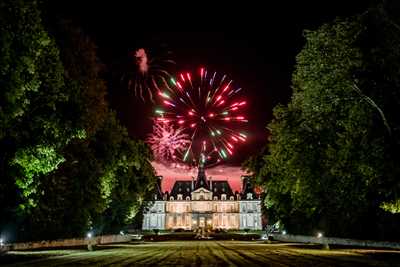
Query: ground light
{"points": [[1, 241], [319, 235], [89, 235], [284, 232]]}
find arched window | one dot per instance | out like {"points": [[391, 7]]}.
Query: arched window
{"points": [[171, 198], [231, 198], [215, 198], [187, 198]]}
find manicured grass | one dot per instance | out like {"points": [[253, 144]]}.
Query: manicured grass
{"points": [[170, 236], [205, 253]]}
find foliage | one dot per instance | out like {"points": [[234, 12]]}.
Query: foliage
{"points": [[66, 162], [331, 158], [393, 207], [32, 130]]}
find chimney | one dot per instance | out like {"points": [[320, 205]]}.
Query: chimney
{"points": [[159, 179], [159, 189], [243, 178], [192, 183], [210, 183]]}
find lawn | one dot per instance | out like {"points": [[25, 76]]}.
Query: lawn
{"points": [[205, 253]]}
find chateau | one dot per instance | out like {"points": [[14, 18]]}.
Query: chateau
{"points": [[203, 203]]}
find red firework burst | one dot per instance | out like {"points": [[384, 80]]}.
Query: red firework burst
{"points": [[208, 108]]}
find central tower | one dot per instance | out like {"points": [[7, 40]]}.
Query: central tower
{"points": [[201, 180]]}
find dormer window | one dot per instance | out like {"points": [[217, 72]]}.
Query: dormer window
{"points": [[215, 198], [223, 196], [179, 197], [249, 196], [231, 198], [171, 198], [187, 198]]}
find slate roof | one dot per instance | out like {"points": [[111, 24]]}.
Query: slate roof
{"points": [[217, 187], [247, 187], [221, 187], [185, 188], [181, 187]]}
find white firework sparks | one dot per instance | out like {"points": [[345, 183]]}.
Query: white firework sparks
{"points": [[167, 142]]}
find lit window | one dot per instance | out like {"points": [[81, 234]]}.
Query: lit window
{"points": [[187, 198], [179, 197], [231, 198], [171, 198], [215, 198], [223, 196]]}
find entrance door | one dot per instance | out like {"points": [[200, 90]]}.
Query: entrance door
{"points": [[202, 222]]}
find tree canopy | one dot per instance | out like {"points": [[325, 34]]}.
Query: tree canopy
{"points": [[62, 147], [331, 164]]}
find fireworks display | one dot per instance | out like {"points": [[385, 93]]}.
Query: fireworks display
{"points": [[208, 108], [148, 73], [167, 142]]}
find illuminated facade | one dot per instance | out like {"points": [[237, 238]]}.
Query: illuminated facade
{"points": [[204, 204]]}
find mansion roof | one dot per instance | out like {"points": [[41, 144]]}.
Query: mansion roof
{"points": [[218, 188]]}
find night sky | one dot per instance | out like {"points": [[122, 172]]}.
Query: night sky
{"points": [[255, 45]]}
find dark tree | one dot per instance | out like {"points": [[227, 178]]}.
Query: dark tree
{"points": [[33, 130], [66, 162], [331, 162]]}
